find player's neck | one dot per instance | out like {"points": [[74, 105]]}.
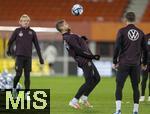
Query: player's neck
{"points": [[63, 32], [130, 23], [25, 27]]}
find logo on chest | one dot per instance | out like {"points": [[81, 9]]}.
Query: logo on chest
{"points": [[20, 33], [133, 34], [30, 32]]}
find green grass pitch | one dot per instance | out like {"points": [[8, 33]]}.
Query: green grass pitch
{"points": [[64, 88]]}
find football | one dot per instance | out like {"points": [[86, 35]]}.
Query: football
{"points": [[77, 9]]}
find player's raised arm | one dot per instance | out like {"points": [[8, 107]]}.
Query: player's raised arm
{"points": [[36, 44], [10, 42], [117, 47]]}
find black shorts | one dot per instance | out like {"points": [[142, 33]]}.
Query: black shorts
{"points": [[23, 63]]}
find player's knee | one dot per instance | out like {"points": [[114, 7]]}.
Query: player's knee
{"points": [[119, 87], [89, 81], [27, 73], [98, 78], [18, 73]]}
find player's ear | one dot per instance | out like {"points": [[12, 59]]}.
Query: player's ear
{"points": [[19, 21]]}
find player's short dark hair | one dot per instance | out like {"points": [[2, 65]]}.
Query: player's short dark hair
{"points": [[59, 24], [130, 16]]}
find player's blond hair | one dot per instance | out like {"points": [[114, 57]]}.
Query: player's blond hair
{"points": [[24, 16]]}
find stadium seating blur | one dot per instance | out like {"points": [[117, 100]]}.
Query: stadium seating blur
{"points": [[146, 16], [56, 9]]}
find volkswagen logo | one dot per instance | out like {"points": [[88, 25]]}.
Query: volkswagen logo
{"points": [[133, 34]]}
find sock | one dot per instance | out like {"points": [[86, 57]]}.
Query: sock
{"points": [[74, 100], [27, 93], [118, 105], [136, 107], [142, 97], [84, 98], [149, 98]]}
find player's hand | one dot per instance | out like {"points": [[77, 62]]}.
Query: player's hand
{"points": [[144, 67], [115, 66], [96, 57], [41, 61], [8, 53]]}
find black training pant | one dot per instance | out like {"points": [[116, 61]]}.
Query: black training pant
{"points": [[23, 64], [145, 76], [122, 74], [92, 78]]}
